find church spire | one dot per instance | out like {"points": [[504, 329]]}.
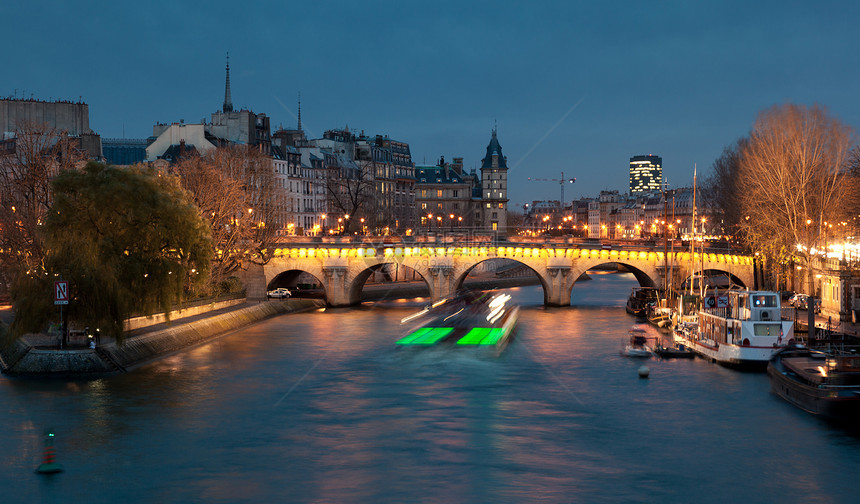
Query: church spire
{"points": [[299, 127], [228, 101]]}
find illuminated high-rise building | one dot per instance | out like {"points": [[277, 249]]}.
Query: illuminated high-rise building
{"points": [[646, 173]]}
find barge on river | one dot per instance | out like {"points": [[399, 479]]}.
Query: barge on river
{"points": [[744, 329], [824, 384]]}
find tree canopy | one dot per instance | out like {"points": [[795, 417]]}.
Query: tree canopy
{"points": [[128, 241], [793, 179], [36, 155], [234, 188]]}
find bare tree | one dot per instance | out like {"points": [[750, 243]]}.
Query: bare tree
{"points": [[793, 179], [28, 163], [234, 188], [721, 190], [349, 190]]}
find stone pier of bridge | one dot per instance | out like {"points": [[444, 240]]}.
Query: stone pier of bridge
{"points": [[342, 269]]}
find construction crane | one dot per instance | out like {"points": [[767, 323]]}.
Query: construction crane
{"points": [[561, 181]]}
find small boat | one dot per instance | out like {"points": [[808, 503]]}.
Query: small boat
{"points": [[637, 345], [744, 329], [469, 319], [676, 351], [639, 299], [660, 314], [823, 384]]}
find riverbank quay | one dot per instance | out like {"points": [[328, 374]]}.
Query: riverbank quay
{"points": [[141, 346]]}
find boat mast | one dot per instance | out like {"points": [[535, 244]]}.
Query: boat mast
{"points": [[693, 235]]}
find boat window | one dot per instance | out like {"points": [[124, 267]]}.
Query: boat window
{"points": [[764, 301], [767, 329]]}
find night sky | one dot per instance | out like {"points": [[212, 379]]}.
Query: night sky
{"points": [[577, 87]]}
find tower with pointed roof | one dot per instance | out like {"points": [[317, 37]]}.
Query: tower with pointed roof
{"points": [[228, 100], [494, 187]]}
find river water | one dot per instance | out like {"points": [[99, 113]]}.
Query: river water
{"points": [[321, 407]]}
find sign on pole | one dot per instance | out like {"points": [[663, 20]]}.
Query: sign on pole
{"points": [[61, 292]]}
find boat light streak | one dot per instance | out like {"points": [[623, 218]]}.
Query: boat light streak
{"points": [[413, 316], [495, 314]]}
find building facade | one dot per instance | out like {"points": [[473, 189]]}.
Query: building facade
{"points": [[445, 196]]}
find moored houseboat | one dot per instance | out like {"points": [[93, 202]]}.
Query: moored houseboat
{"points": [[742, 329], [824, 384]]}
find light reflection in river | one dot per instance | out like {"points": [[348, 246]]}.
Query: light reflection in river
{"points": [[321, 407]]}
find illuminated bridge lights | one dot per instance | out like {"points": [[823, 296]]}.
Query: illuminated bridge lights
{"points": [[533, 253]]}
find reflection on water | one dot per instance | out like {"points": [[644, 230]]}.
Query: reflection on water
{"points": [[321, 407]]}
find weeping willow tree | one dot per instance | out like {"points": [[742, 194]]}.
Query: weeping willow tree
{"points": [[128, 241]]}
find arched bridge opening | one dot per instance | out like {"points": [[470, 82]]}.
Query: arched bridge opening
{"points": [[388, 280], [494, 273], [712, 279], [300, 283]]}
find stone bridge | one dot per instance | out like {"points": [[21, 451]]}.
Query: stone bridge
{"points": [[343, 269]]}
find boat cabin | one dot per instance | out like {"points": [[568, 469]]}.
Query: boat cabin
{"points": [[744, 318]]}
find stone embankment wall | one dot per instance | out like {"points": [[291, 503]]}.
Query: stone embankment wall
{"points": [[176, 315], [140, 349]]}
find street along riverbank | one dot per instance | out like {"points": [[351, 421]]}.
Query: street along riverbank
{"points": [[141, 346]]}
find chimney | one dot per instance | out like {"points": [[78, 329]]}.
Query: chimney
{"points": [[182, 148], [458, 165]]}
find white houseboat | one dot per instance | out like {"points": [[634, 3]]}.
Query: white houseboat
{"points": [[738, 328]]}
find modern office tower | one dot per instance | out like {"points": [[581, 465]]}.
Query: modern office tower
{"points": [[646, 173]]}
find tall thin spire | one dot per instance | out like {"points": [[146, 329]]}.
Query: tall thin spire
{"points": [[228, 101], [299, 127]]}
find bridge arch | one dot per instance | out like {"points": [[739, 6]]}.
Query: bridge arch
{"points": [[290, 279], [359, 279], [714, 275], [462, 273]]}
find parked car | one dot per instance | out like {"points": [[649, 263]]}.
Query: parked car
{"points": [[797, 299], [280, 293], [801, 302]]}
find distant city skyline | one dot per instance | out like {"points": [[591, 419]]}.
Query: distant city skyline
{"points": [[575, 87]]}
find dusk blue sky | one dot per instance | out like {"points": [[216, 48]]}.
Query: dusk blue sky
{"points": [[577, 87]]}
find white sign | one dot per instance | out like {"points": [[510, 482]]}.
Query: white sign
{"points": [[722, 301], [61, 292]]}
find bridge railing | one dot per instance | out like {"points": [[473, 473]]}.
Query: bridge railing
{"points": [[488, 239]]}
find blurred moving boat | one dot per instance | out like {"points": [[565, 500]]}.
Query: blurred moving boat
{"points": [[468, 319], [745, 332], [821, 383], [637, 345]]}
